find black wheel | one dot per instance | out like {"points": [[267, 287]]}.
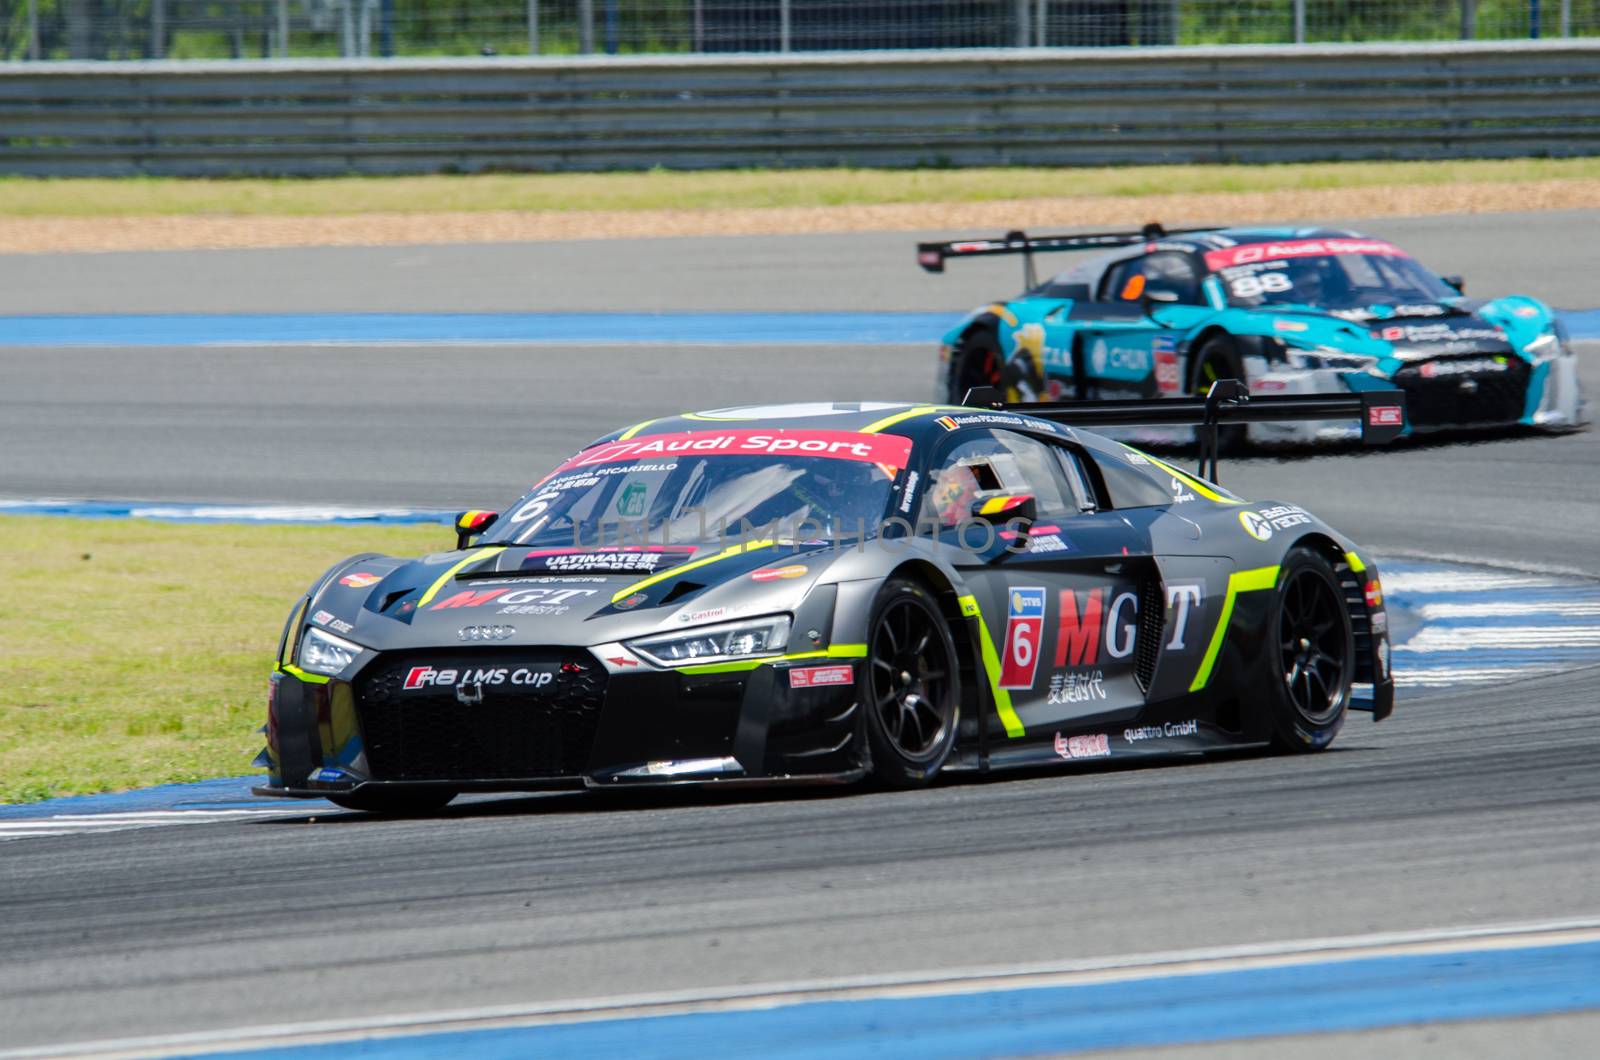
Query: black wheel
{"points": [[976, 361], [401, 802], [910, 686], [1313, 654], [1218, 358]]}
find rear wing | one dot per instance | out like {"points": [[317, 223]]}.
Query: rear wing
{"points": [[1381, 413], [931, 256]]}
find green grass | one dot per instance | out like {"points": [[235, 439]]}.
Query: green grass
{"points": [[32, 197], [137, 653]]}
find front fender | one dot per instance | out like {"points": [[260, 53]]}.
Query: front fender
{"points": [[1522, 318]]}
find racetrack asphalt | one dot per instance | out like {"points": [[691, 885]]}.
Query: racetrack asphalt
{"points": [[1465, 808]]}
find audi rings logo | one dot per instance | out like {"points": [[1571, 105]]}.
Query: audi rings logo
{"points": [[1257, 526], [496, 632]]}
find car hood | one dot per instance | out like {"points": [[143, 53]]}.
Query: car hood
{"points": [[1404, 333], [514, 596]]}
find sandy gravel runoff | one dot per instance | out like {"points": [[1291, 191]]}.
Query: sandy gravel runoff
{"points": [[54, 234]]}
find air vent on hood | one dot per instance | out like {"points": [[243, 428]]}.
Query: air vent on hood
{"points": [[679, 591], [394, 598]]}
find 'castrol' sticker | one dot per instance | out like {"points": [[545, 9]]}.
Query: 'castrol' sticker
{"points": [[818, 676]]}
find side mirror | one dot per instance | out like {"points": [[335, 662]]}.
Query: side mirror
{"points": [[997, 525], [472, 523], [1458, 283]]}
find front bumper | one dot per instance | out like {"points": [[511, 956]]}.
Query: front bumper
{"points": [[590, 728]]}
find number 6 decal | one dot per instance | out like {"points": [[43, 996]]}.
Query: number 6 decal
{"points": [[1024, 633]]}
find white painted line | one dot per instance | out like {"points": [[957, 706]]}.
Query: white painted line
{"points": [[1436, 581], [1404, 678], [99, 820], [1509, 609], [1435, 638], [81, 823], [28, 835], [1206, 961], [165, 815]]}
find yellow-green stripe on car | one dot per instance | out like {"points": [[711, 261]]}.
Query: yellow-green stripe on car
{"points": [[433, 590], [1355, 562], [1240, 581], [900, 417], [635, 429], [1198, 485], [682, 568], [991, 668], [305, 675], [291, 637], [837, 651]]}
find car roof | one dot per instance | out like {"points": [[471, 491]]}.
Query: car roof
{"points": [[1090, 269], [1211, 240], [805, 415]]}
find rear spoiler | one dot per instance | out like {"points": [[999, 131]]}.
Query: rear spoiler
{"points": [[931, 256], [1381, 413]]}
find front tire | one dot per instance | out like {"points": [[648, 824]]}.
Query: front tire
{"points": [[397, 801], [910, 686], [1313, 655], [1219, 358]]}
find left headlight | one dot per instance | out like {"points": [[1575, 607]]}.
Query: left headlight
{"points": [[323, 653], [768, 635]]}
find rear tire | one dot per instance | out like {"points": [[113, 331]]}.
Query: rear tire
{"points": [[404, 803], [1219, 358], [910, 686], [1312, 654], [976, 361]]}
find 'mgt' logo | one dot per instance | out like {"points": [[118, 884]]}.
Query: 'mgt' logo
{"points": [[1078, 628]]}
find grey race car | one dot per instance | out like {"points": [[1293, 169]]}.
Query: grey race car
{"points": [[828, 592]]}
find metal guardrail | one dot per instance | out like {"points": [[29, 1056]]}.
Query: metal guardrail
{"points": [[1010, 107]]}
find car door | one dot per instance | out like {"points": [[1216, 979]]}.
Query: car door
{"points": [[1144, 306], [1061, 608]]}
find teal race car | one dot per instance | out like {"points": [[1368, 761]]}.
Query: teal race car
{"points": [[1289, 310]]}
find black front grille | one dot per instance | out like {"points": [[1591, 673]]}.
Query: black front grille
{"points": [[1152, 620], [492, 731], [1464, 400]]}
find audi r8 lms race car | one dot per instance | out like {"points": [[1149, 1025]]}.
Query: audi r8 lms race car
{"points": [[1290, 311], [828, 592]]}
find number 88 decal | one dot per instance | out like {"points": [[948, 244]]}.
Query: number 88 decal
{"points": [[1262, 283]]}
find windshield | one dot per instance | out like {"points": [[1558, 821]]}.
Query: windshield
{"points": [[711, 487], [1326, 273]]}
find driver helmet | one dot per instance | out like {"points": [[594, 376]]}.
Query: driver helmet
{"points": [[953, 493]]}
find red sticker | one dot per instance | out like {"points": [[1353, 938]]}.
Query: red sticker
{"points": [[1244, 254], [1385, 416], [1168, 381], [797, 570], [1024, 637], [359, 581], [817, 676], [1094, 745], [889, 449]]}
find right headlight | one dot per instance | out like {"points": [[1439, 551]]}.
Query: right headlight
{"points": [[1546, 347], [323, 653], [767, 635], [1328, 357]]}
